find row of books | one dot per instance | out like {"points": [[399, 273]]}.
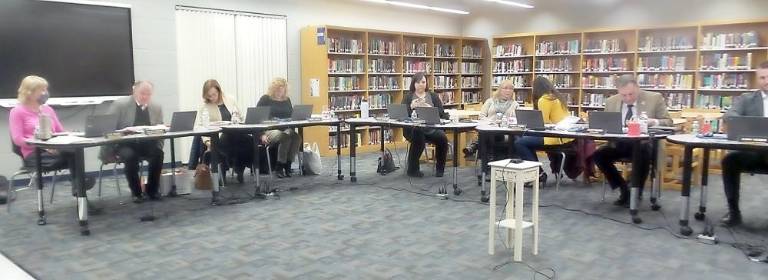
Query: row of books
{"points": [[522, 97], [345, 45], [724, 61], [666, 43], [470, 97], [674, 100], [380, 46], [445, 50], [679, 100], [512, 66], [374, 136], [607, 64], [592, 81], [332, 140], [470, 51], [558, 47], [560, 80], [473, 81], [346, 65], [344, 83], [416, 49], [509, 49], [592, 99], [344, 102], [445, 82], [379, 101], [604, 46], [410, 66], [714, 101], [446, 97], [407, 82], [730, 40], [554, 65], [665, 81], [382, 66], [725, 81], [518, 81], [471, 68], [661, 63], [383, 82], [446, 67]]}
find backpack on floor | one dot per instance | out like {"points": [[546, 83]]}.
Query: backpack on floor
{"points": [[386, 163]]}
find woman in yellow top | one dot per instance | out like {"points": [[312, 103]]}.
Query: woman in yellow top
{"points": [[553, 108]]}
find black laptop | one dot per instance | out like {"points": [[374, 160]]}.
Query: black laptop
{"points": [[430, 115], [398, 112], [301, 112], [257, 115], [747, 128], [532, 119], [183, 121], [99, 125], [609, 122]]}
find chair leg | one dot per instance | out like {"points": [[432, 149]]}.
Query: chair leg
{"points": [[53, 185], [117, 180], [559, 175], [269, 162], [101, 169], [605, 188]]}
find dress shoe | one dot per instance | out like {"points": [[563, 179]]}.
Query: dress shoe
{"points": [[439, 173], [623, 199], [138, 199], [416, 174], [733, 218], [155, 197]]}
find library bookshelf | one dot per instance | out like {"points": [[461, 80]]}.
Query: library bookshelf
{"points": [[693, 66], [352, 64]]}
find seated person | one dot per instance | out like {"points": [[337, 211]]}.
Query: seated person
{"points": [[22, 120], [502, 102], [289, 142], [237, 148], [736, 162], [553, 107], [138, 110], [631, 101], [419, 96]]}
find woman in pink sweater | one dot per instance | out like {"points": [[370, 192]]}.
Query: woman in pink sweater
{"points": [[32, 95]]}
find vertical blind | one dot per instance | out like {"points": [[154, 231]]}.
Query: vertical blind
{"points": [[243, 51]]}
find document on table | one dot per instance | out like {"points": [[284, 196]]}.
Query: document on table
{"points": [[68, 139]]}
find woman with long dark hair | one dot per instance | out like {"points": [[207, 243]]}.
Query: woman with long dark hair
{"points": [[420, 96], [553, 107]]}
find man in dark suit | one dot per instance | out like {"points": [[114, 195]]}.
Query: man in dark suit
{"points": [[138, 110], [737, 162], [631, 101]]}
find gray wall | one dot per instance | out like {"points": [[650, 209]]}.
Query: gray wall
{"points": [[154, 42]]}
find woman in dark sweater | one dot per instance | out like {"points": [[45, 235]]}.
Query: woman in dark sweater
{"points": [[420, 97], [289, 142]]}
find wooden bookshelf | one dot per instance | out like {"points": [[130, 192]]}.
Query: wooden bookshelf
{"points": [[696, 65], [379, 68]]}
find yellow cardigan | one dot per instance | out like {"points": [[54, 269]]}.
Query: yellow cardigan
{"points": [[553, 112]]}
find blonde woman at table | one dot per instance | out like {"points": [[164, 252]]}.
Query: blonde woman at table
{"points": [[503, 103], [289, 142], [24, 117], [236, 148]]}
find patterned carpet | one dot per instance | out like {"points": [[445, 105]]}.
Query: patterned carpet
{"points": [[321, 228]]}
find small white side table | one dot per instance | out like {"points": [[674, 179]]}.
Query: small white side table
{"points": [[517, 174]]}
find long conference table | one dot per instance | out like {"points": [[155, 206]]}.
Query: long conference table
{"points": [[78, 179], [486, 130], [690, 142]]}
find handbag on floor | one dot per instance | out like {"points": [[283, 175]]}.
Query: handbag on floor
{"points": [[311, 159], [203, 179], [386, 163]]}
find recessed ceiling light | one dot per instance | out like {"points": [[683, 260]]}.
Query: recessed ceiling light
{"points": [[511, 3], [419, 6]]}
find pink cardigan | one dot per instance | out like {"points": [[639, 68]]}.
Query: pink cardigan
{"points": [[22, 122]]}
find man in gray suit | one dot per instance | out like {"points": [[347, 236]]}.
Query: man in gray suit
{"points": [[734, 163], [138, 110], [631, 101]]}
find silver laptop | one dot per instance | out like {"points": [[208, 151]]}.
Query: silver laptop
{"points": [[183, 121], [257, 115], [99, 125], [398, 111], [430, 115], [747, 128], [532, 119], [301, 112], [610, 122]]}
